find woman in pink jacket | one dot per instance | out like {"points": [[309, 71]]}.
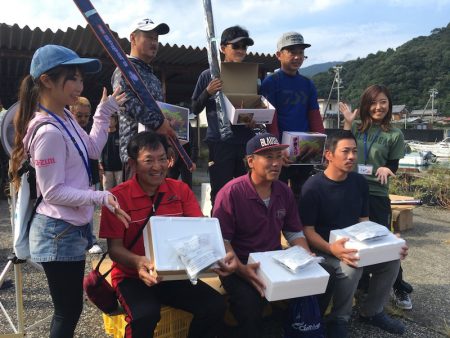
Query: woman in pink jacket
{"points": [[59, 150]]}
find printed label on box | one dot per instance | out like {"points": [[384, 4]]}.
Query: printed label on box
{"points": [[305, 148]]}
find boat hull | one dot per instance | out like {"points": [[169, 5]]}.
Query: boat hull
{"points": [[440, 149]]}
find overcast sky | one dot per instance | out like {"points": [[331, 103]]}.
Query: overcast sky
{"points": [[338, 30]]}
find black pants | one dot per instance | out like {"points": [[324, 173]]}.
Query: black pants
{"points": [[380, 212], [226, 161], [178, 169], [246, 304], [143, 304], [65, 280]]}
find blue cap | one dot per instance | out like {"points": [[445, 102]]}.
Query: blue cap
{"points": [[51, 56], [262, 142]]}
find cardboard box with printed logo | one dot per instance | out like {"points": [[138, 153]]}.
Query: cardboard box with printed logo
{"points": [[178, 118], [305, 148]]}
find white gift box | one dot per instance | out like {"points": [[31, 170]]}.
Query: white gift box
{"points": [[161, 229], [243, 104], [299, 141], [178, 118], [283, 284], [373, 251]]}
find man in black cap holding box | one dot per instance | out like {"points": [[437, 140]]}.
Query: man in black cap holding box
{"points": [[144, 46], [225, 155], [253, 210]]}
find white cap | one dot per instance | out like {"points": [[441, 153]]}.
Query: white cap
{"points": [[147, 25]]}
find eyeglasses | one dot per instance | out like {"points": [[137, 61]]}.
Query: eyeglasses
{"points": [[238, 46]]}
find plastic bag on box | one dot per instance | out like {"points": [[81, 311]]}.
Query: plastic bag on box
{"points": [[296, 258], [367, 230], [196, 252]]}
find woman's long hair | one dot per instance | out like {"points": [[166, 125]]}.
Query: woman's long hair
{"points": [[367, 98], [29, 94]]}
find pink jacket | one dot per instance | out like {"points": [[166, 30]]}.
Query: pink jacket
{"points": [[61, 176]]}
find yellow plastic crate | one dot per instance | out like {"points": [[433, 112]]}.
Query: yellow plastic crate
{"points": [[174, 323]]}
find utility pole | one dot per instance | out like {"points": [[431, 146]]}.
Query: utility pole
{"points": [[433, 93], [337, 71]]}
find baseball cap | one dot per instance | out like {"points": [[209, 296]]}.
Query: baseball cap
{"points": [[51, 56], [291, 39], [235, 34], [262, 142], [147, 25]]}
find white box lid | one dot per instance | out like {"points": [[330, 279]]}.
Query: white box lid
{"points": [[163, 228]]}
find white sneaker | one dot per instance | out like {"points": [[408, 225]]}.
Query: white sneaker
{"points": [[95, 249], [402, 300]]}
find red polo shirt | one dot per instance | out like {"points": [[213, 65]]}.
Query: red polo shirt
{"points": [[247, 223], [178, 200]]}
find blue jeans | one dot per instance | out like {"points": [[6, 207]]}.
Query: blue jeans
{"points": [[92, 238], [56, 240]]}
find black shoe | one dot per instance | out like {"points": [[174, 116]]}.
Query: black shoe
{"points": [[337, 329], [384, 322], [406, 287]]}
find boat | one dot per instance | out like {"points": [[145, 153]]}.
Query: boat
{"points": [[417, 159], [440, 149]]}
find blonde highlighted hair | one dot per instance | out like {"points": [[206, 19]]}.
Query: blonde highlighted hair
{"points": [[81, 102]]}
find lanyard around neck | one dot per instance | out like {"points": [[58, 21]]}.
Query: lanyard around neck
{"points": [[85, 159], [367, 150]]}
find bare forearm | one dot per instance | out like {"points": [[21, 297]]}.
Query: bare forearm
{"points": [[301, 241], [229, 248], [123, 256], [347, 125], [315, 240]]}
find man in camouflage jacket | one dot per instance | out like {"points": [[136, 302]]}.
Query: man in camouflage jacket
{"points": [[144, 46]]}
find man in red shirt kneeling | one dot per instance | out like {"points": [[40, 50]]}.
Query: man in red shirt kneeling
{"points": [[140, 291]]}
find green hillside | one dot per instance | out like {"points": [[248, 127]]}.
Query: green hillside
{"points": [[410, 72], [310, 71]]}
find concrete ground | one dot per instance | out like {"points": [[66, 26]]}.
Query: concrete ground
{"points": [[426, 268]]}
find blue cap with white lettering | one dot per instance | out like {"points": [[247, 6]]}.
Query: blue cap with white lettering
{"points": [[262, 142]]}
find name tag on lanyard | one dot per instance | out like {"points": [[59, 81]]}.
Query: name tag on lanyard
{"points": [[365, 169]]}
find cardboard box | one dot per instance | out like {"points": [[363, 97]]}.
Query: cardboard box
{"points": [[305, 148], [402, 215], [402, 218], [379, 250], [160, 229], [178, 118], [283, 284], [243, 104]]}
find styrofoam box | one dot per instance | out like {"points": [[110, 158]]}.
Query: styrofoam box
{"points": [[178, 118], [383, 249], [161, 229], [298, 140], [283, 284]]}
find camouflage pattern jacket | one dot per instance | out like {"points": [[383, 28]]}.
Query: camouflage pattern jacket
{"points": [[134, 111]]}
